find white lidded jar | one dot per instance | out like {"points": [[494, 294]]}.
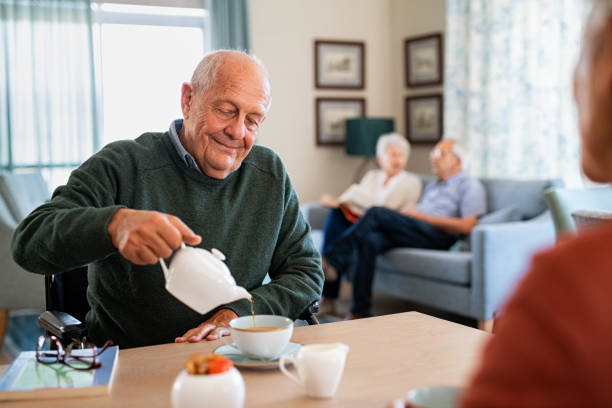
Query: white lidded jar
{"points": [[223, 390]]}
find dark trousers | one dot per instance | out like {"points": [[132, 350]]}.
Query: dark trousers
{"points": [[335, 225], [379, 230]]}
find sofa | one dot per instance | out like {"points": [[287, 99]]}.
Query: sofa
{"points": [[474, 277], [20, 193]]}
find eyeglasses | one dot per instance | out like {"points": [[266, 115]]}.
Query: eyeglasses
{"points": [[78, 356], [437, 153]]}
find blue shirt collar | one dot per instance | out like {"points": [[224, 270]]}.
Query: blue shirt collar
{"points": [[453, 178], [175, 129]]}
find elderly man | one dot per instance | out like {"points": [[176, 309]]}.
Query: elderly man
{"points": [[449, 208], [552, 347], [203, 183]]}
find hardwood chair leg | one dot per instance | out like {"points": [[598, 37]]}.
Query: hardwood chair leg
{"points": [[4, 317], [486, 325]]}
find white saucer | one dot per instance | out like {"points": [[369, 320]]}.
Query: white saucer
{"points": [[240, 360]]}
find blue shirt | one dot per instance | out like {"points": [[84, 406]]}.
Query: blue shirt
{"points": [[175, 129], [459, 196]]}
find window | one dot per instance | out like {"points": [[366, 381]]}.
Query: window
{"points": [[112, 71], [146, 53]]}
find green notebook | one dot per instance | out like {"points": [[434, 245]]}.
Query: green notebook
{"points": [[28, 379]]}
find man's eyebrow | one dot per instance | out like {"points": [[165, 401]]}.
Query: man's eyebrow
{"points": [[222, 101], [229, 101]]}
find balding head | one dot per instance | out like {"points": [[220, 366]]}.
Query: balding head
{"points": [[223, 64]]}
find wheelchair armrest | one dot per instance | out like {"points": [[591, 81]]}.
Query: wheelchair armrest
{"points": [[309, 314], [62, 325]]}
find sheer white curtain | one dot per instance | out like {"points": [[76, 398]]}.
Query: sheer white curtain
{"points": [[508, 86], [47, 92]]}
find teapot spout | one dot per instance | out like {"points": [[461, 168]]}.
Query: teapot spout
{"points": [[240, 293]]}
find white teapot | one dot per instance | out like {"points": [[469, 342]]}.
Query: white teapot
{"points": [[200, 279]]}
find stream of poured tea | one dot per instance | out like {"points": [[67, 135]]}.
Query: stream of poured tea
{"points": [[255, 328], [252, 309]]}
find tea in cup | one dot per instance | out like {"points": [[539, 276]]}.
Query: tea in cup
{"points": [[319, 368], [265, 339]]}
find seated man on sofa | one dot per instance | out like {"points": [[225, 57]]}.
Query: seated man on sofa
{"points": [[448, 209]]}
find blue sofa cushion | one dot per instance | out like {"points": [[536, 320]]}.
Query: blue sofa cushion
{"points": [[444, 266], [507, 214], [526, 195]]}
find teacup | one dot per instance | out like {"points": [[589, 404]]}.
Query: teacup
{"points": [[319, 368], [265, 340], [435, 397]]}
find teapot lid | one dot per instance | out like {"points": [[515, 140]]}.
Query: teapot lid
{"points": [[218, 254]]}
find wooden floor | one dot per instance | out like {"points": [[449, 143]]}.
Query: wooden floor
{"points": [[385, 304], [22, 332], [5, 357]]}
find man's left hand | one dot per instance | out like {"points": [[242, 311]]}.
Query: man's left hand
{"points": [[207, 329], [414, 214]]}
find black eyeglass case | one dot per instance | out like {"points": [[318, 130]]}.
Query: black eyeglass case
{"points": [[62, 325]]}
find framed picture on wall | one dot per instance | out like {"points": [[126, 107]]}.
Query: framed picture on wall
{"points": [[339, 64], [331, 115], [424, 121], [423, 60]]}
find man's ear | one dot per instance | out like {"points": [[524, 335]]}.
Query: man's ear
{"points": [[187, 92]]}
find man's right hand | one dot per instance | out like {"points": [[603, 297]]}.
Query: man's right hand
{"points": [[142, 237]]}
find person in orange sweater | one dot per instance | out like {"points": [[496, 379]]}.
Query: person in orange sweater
{"points": [[552, 346]]}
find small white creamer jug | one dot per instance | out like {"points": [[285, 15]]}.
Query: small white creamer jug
{"points": [[200, 279], [319, 368]]}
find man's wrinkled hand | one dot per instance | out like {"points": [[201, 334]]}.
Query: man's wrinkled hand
{"points": [[142, 237], [207, 329]]}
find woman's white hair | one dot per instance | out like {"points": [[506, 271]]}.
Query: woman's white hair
{"points": [[391, 139], [205, 73]]}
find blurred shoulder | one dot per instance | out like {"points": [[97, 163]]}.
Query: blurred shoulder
{"points": [[587, 254]]}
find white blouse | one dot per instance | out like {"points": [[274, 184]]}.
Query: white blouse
{"points": [[401, 192]]}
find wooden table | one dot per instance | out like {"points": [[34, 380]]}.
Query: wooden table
{"points": [[389, 355]]}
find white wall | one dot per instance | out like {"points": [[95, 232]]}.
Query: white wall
{"points": [[283, 34]]}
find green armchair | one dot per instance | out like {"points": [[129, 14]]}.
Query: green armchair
{"points": [[563, 203]]}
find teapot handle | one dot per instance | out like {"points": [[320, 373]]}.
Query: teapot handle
{"points": [[164, 267]]}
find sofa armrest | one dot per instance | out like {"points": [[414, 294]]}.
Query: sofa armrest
{"points": [[501, 254], [315, 215]]}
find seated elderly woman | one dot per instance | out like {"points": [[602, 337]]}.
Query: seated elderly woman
{"points": [[390, 186]]}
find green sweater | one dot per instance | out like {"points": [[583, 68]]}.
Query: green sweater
{"points": [[252, 216]]}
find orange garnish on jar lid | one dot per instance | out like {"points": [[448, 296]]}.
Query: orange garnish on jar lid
{"points": [[207, 364]]}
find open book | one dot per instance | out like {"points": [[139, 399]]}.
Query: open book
{"points": [[28, 379], [357, 199]]}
